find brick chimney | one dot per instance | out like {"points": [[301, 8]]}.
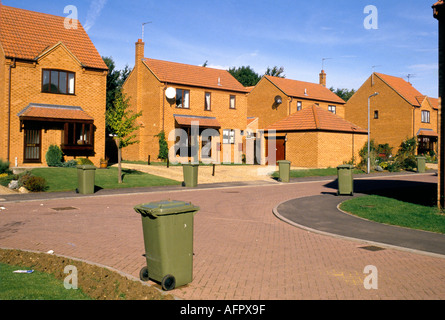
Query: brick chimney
{"points": [[323, 78], [138, 67], [140, 47]]}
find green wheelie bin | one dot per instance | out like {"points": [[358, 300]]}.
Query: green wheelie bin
{"points": [[168, 238], [284, 170], [190, 171], [345, 180], [421, 164], [86, 176]]}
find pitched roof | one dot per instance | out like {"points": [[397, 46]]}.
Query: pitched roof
{"points": [[434, 102], [27, 34], [402, 87], [210, 122], [53, 112], [305, 90], [315, 118], [185, 74]]}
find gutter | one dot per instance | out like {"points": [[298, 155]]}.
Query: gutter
{"points": [[13, 65]]}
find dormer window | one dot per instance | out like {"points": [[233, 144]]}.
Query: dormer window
{"points": [[58, 81]]}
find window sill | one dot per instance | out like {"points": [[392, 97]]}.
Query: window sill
{"points": [[62, 94], [77, 147]]}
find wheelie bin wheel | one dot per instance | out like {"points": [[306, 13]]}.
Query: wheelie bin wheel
{"points": [[168, 282], [143, 274]]}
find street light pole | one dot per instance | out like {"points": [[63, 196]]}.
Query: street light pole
{"points": [[369, 130]]}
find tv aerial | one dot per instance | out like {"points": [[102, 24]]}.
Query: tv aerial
{"points": [[143, 29], [409, 76]]}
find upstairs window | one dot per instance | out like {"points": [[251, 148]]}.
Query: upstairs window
{"points": [[299, 105], [376, 114], [232, 102], [208, 101], [56, 81], [182, 98], [425, 117], [332, 109]]}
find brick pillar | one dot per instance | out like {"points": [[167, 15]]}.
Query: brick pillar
{"points": [[439, 15]]}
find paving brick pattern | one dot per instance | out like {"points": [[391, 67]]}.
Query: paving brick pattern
{"points": [[242, 251]]}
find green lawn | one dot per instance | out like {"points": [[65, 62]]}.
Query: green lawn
{"points": [[314, 173], [34, 286], [395, 212], [65, 179]]}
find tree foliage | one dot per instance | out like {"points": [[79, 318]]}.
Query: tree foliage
{"points": [[345, 94], [122, 120], [115, 79], [163, 146], [245, 75], [275, 72], [248, 77]]}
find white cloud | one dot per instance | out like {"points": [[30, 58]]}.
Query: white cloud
{"points": [[94, 11]]}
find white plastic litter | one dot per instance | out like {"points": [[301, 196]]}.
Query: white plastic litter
{"points": [[50, 252], [23, 271]]}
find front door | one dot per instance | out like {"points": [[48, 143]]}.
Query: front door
{"points": [[32, 152], [280, 148]]}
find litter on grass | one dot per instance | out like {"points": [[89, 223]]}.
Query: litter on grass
{"points": [[23, 271]]}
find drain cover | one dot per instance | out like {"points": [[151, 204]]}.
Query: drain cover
{"points": [[64, 209], [372, 248]]}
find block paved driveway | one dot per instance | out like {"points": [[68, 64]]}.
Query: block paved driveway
{"points": [[242, 251]]}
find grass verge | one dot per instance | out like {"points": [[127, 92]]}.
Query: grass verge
{"points": [[46, 283], [395, 212], [34, 286], [314, 173], [65, 179]]}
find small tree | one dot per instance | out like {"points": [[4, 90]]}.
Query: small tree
{"points": [[163, 146], [122, 122]]}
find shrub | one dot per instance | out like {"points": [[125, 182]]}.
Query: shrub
{"points": [[406, 156], [84, 161], [54, 156], [35, 184], [23, 178], [393, 166], [384, 152], [4, 167], [5, 179], [363, 153], [69, 164]]}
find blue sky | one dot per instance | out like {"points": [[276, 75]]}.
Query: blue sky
{"points": [[294, 34]]}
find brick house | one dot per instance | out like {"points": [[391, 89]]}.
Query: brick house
{"points": [[274, 98], [52, 89], [316, 138], [399, 112], [173, 97]]}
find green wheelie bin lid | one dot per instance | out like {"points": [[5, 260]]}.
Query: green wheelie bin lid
{"points": [[86, 167], [164, 208]]}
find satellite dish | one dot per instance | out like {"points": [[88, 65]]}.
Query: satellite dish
{"points": [[278, 100], [170, 93]]}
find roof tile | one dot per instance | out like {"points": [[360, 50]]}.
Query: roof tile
{"points": [[305, 90], [404, 88], [26, 34], [315, 118], [178, 73]]}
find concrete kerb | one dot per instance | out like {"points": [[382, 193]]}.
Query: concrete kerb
{"points": [[215, 186], [123, 274], [342, 237]]}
